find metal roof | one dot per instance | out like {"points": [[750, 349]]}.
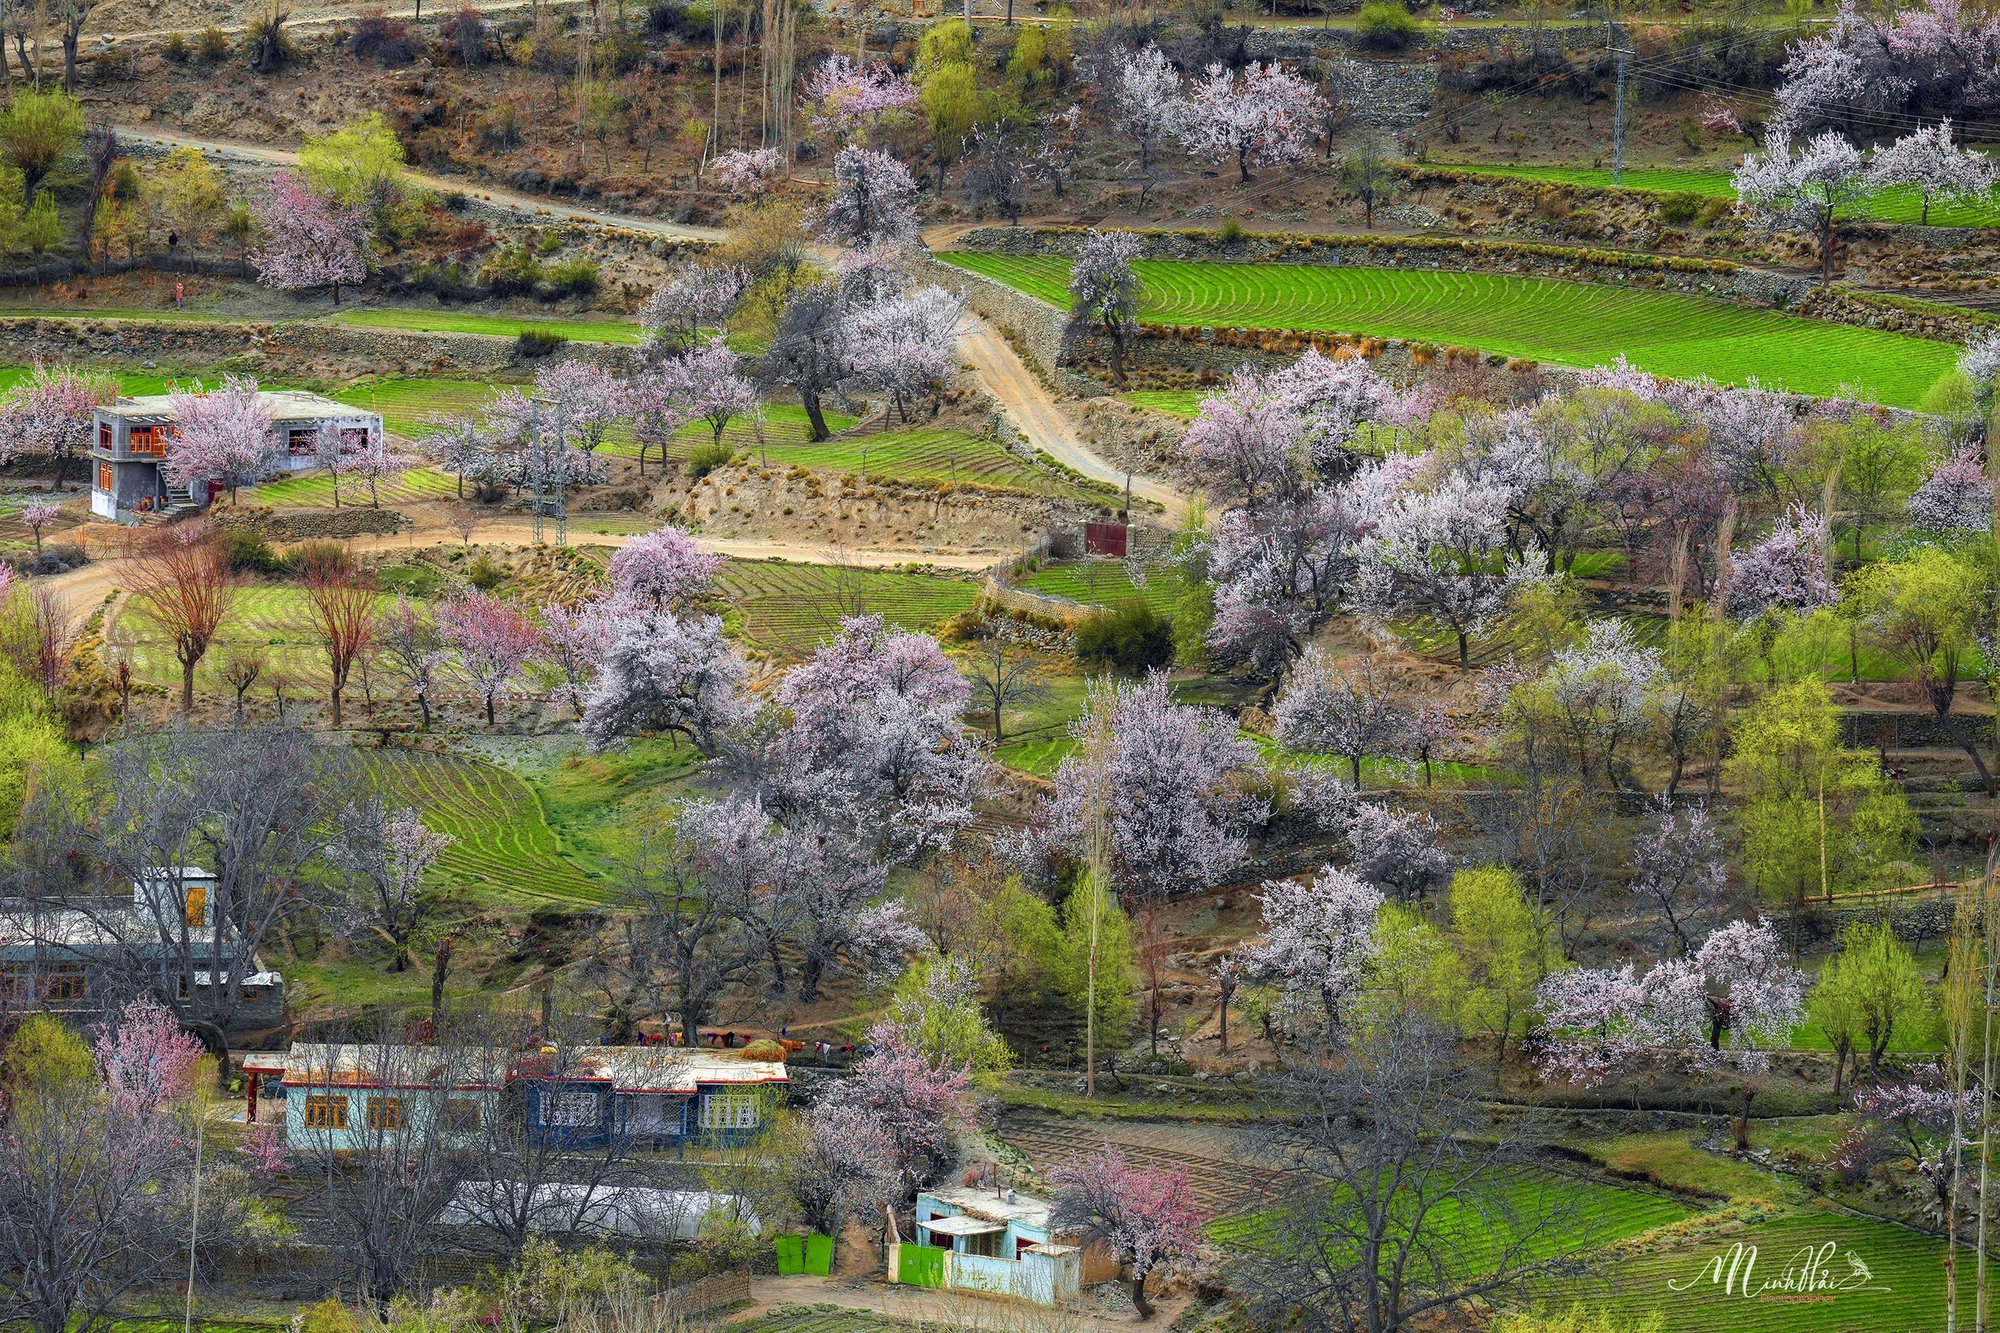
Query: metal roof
{"points": [[961, 1225], [981, 1202], [653, 1069]]}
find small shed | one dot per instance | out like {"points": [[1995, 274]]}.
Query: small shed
{"points": [[998, 1243]]}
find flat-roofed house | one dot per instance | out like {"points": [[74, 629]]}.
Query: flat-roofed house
{"points": [[348, 1096], [130, 438], [997, 1242], [651, 1096]]}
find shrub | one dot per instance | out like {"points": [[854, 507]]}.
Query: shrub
{"points": [[1382, 26], [249, 553], [539, 342], [501, 127], [1131, 636], [1230, 230], [211, 47], [1680, 208], [706, 458], [463, 36], [572, 277], [511, 270], [382, 38], [177, 49], [484, 575], [1711, 211]]}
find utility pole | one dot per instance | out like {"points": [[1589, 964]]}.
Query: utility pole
{"points": [[1615, 39], [536, 463]]}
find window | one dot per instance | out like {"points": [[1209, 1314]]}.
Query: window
{"points": [[386, 1113], [461, 1115], [986, 1243], [300, 441], [150, 440], [569, 1110], [104, 438], [66, 983], [105, 478], [197, 904], [324, 1112], [731, 1109], [249, 994]]}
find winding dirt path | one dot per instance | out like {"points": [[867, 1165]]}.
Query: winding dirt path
{"points": [[511, 200], [1034, 413]]}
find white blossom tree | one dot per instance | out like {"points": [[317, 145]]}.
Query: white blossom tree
{"points": [[1802, 190], [1148, 106], [1927, 161], [1319, 938], [1259, 116], [1105, 292], [872, 200], [1955, 497]]}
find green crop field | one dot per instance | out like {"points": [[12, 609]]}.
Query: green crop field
{"points": [[265, 620], [407, 405], [788, 609], [1874, 1277], [1901, 204], [499, 326], [129, 384], [1174, 402], [504, 848], [936, 456], [1545, 319], [1103, 583], [310, 488]]}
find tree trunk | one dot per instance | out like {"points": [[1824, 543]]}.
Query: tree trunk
{"points": [[1743, 1121], [1139, 1301], [1464, 651], [336, 704], [440, 969], [816, 417], [489, 711], [424, 707], [187, 685]]}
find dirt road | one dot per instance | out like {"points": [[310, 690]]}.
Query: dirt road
{"points": [[1034, 413], [526, 204]]}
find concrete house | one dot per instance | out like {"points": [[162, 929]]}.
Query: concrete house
{"points": [[656, 1097], [130, 437], [77, 957], [973, 1238], [354, 1095]]}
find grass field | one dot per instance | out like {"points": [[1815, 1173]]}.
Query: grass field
{"points": [[1174, 402], [788, 609], [1877, 1276], [504, 848], [266, 620], [1545, 319], [314, 488], [1103, 583], [500, 326], [129, 383], [933, 455], [1902, 204]]}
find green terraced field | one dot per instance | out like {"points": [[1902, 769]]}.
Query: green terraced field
{"points": [[407, 405], [129, 383], [1175, 402], [788, 609], [505, 848], [1545, 319], [499, 326], [932, 455], [1903, 1287], [269, 620], [423, 483], [1103, 583], [1898, 205]]}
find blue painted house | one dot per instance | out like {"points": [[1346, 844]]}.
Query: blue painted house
{"points": [[355, 1095], [652, 1097], [995, 1242]]}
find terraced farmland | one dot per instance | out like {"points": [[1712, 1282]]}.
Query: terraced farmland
{"points": [[1877, 1276], [266, 620], [504, 847], [407, 405], [501, 326], [1901, 204], [788, 609], [422, 483], [936, 456], [1103, 583], [1544, 319]]}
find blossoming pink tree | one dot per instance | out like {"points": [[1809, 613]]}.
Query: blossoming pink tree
{"points": [[698, 297], [310, 239], [491, 639], [574, 642], [849, 98], [1319, 937], [38, 514], [1955, 497], [1148, 1220], [913, 1112], [662, 571], [872, 200], [748, 172], [1787, 571], [146, 1059], [1724, 1005], [1260, 116], [223, 434], [49, 414]]}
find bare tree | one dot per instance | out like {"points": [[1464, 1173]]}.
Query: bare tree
{"points": [[392, 1166], [1001, 681], [464, 518], [1394, 1174], [253, 805], [35, 636], [241, 671], [1367, 176], [386, 853], [182, 580], [340, 610], [88, 1201]]}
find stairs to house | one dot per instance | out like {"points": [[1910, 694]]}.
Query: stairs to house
{"points": [[180, 500]]}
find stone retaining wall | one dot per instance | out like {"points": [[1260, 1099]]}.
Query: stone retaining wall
{"points": [[1034, 327], [301, 350]]}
